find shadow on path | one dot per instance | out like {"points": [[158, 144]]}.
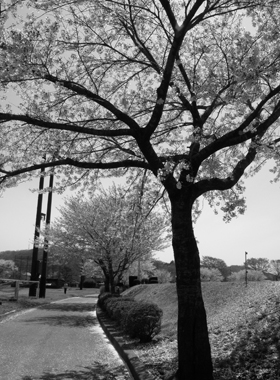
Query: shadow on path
{"points": [[95, 372], [65, 320], [60, 317], [69, 307]]}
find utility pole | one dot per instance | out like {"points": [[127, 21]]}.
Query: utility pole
{"points": [[246, 269], [34, 266], [43, 279]]}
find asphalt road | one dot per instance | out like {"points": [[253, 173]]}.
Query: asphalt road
{"points": [[60, 341]]}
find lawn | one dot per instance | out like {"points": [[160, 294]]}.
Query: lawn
{"points": [[243, 325], [25, 302]]}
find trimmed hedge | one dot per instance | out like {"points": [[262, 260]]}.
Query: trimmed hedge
{"points": [[143, 321], [117, 308], [103, 297], [138, 319]]}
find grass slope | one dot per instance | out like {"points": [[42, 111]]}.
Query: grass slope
{"points": [[243, 325]]}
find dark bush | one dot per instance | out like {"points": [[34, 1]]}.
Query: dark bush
{"points": [[153, 280], [131, 279], [118, 308], [103, 297], [89, 283], [143, 321], [110, 304], [145, 281], [138, 319]]}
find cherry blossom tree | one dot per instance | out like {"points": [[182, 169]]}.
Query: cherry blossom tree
{"points": [[275, 268], [252, 275], [185, 90], [215, 263], [210, 274], [111, 228], [7, 268], [8, 7]]}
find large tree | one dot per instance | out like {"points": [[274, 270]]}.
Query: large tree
{"points": [[188, 91], [261, 264], [214, 263], [113, 228]]}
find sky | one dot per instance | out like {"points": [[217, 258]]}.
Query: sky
{"points": [[256, 232]]}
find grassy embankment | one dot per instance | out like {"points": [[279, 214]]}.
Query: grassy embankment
{"points": [[243, 325]]}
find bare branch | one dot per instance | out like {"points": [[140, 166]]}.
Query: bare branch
{"points": [[80, 164], [4, 117], [238, 135], [81, 90], [169, 13], [206, 185]]}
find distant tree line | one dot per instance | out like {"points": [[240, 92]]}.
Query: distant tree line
{"points": [[258, 269], [17, 264]]}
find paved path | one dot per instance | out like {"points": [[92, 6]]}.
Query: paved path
{"points": [[60, 341]]}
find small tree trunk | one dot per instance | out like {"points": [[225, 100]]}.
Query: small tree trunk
{"points": [[194, 351], [106, 275], [107, 284], [112, 280]]}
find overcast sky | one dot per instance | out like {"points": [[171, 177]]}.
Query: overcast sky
{"points": [[257, 232]]}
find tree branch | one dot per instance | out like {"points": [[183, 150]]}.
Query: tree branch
{"points": [[71, 162], [238, 135], [66, 127], [166, 5], [81, 90], [206, 185]]}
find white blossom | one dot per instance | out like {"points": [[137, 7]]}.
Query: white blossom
{"points": [[161, 174]]}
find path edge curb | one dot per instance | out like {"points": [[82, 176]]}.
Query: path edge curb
{"points": [[131, 359]]}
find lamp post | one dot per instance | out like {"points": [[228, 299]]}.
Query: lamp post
{"points": [[34, 266], [43, 279]]}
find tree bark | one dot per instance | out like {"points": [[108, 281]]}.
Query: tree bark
{"points": [[107, 284], [193, 342], [112, 279]]}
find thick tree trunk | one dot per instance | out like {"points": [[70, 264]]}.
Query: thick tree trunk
{"points": [[193, 342], [107, 285]]}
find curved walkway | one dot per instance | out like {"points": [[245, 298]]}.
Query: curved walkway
{"points": [[59, 341]]}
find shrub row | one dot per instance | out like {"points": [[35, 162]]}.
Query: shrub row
{"points": [[138, 319]]}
